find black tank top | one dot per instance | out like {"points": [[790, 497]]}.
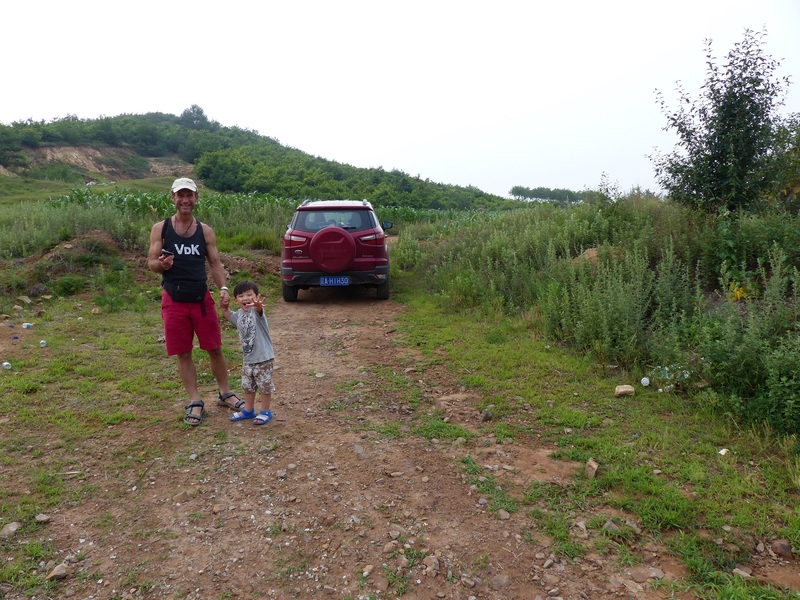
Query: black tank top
{"points": [[189, 262]]}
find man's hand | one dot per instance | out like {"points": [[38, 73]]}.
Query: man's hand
{"points": [[166, 259]]}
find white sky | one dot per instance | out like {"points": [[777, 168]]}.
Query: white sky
{"points": [[492, 94]]}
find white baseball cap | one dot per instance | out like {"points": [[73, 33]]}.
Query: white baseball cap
{"points": [[184, 183]]}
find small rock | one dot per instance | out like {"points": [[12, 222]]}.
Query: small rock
{"points": [[42, 518], [782, 548], [181, 497], [59, 572], [611, 527], [582, 531], [431, 565], [624, 390], [10, 529], [500, 582], [551, 580], [640, 574], [503, 515], [591, 468]]}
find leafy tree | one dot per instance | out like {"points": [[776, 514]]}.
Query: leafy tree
{"points": [[786, 192], [198, 143], [726, 148], [148, 139], [194, 118], [70, 130], [543, 194], [107, 131]]}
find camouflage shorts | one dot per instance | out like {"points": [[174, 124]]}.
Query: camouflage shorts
{"points": [[258, 377]]}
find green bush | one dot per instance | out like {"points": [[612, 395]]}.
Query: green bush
{"points": [[69, 285], [783, 383]]}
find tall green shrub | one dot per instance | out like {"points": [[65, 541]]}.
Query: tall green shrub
{"points": [[728, 137]]}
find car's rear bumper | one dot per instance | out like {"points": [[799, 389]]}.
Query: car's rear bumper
{"points": [[306, 279]]}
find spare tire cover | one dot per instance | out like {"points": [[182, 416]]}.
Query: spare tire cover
{"points": [[332, 249]]}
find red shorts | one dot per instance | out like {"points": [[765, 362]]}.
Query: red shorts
{"points": [[182, 320]]}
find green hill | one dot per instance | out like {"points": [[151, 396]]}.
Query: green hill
{"points": [[72, 151]]}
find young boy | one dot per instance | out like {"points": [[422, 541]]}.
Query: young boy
{"points": [[259, 355]]}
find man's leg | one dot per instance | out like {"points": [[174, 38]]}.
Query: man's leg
{"points": [[188, 373], [219, 368]]}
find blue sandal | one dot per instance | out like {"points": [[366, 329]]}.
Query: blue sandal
{"points": [[263, 417], [243, 415]]}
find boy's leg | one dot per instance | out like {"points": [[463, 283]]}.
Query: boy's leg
{"points": [[248, 409], [264, 416], [266, 400], [263, 377], [249, 401]]}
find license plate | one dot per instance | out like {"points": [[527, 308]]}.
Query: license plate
{"points": [[332, 280]]}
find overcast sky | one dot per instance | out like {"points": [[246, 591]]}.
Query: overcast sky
{"points": [[491, 94]]}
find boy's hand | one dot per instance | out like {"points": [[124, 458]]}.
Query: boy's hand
{"points": [[259, 303]]}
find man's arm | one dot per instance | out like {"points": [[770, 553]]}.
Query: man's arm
{"points": [[214, 260], [157, 262]]}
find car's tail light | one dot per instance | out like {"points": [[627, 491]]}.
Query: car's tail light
{"points": [[292, 241], [374, 239]]}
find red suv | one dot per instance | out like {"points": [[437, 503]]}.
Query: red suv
{"points": [[335, 243]]}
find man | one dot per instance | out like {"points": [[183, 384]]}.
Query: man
{"points": [[180, 246]]}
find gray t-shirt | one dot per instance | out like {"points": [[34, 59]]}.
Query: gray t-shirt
{"points": [[254, 335]]}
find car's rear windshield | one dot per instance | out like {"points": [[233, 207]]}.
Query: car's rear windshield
{"points": [[314, 220]]}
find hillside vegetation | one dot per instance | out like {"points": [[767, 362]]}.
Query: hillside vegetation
{"points": [[226, 159]]}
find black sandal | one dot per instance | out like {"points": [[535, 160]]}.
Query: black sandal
{"points": [[236, 406], [192, 419]]}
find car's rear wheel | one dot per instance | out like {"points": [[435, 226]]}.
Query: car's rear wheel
{"points": [[383, 290], [289, 292]]}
